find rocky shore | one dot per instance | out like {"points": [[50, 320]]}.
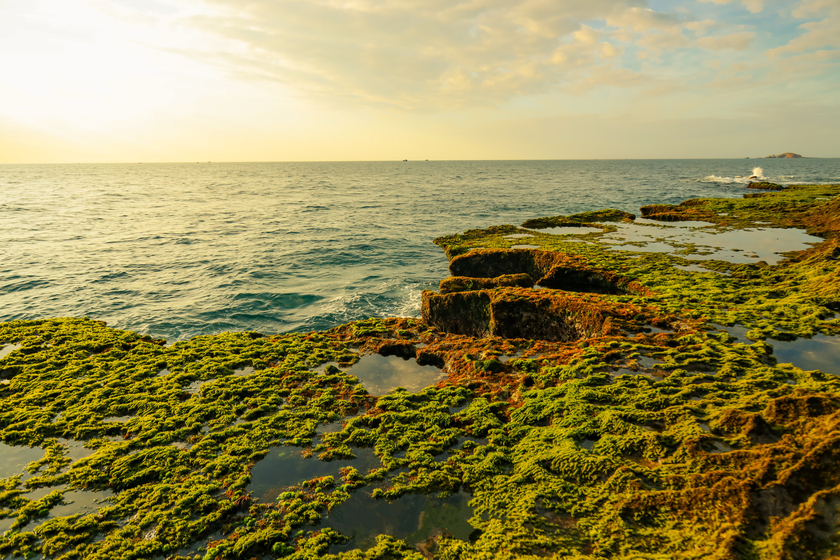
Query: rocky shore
{"points": [[599, 396]]}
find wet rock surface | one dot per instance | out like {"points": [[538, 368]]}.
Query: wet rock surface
{"points": [[634, 406], [468, 283]]}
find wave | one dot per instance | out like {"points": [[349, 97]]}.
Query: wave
{"points": [[726, 180], [756, 175], [395, 297]]}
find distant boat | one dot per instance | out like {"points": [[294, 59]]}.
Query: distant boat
{"points": [[405, 160]]}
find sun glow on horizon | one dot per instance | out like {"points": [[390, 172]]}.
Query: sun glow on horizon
{"points": [[131, 80]]}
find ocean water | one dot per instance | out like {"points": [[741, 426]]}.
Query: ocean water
{"points": [[177, 250]]}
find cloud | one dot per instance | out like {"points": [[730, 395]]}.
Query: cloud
{"points": [[442, 55], [753, 6], [644, 20], [823, 34], [734, 41], [700, 27], [413, 55], [807, 8]]}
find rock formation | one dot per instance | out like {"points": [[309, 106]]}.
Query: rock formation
{"points": [[784, 156]]}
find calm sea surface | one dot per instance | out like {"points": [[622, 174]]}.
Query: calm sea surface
{"points": [[176, 250]]}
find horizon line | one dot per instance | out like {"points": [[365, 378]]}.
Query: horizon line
{"points": [[398, 160]]}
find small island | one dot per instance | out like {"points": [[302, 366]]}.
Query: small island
{"points": [[785, 155]]}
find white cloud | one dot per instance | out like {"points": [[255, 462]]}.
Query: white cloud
{"points": [[414, 55], [754, 6], [807, 8], [734, 41], [662, 41], [608, 50], [823, 34], [643, 20], [700, 27]]}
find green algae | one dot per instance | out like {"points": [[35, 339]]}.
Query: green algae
{"points": [[562, 447], [608, 215], [535, 489]]}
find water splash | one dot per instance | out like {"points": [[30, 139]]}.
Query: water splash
{"points": [[757, 173]]}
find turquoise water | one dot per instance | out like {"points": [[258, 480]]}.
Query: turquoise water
{"points": [[176, 250]]}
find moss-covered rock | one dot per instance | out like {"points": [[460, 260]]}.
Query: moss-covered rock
{"points": [[765, 186], [608, 215], [467, 283]]}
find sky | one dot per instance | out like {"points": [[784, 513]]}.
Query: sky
{"points": [[336, 80]]}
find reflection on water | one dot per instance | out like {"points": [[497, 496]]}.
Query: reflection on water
{"points": [[736, 246], [587, 444], [625, 371], [820, 352], [571, 230], [8, 349], [697, 268], [247, 370], [76, 449], [721, 447], [82, 502], [194, 387], [286, 466], [13, 459], [648, 362], [381, 374], [737, 332], [117, 419], [413, 517], [322, 369], [688, 224]]}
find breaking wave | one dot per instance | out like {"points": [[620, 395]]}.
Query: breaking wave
{"points": [[756, 175]]}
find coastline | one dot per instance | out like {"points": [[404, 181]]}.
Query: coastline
{"points": [[611, 413]]}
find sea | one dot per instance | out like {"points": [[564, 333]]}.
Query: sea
{"points": [[177, 250]]}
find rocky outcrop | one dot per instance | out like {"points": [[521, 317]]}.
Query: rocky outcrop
{"points": [[757, 195], [553, 270], [765, 185], [517, 313], [466, 283], [676, 213], [609, 215], [786, 155]]}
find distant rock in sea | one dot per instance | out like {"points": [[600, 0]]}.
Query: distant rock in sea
{"points": [[785, 155]]}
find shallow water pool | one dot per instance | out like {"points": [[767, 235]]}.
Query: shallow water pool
{"points": [[382, 374]]}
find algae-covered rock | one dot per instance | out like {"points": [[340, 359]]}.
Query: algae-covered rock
{"points": [[518, 313], [608, 215], [465, 313], [765, 186], [467, 283], [552, 269], [675, 213]]}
